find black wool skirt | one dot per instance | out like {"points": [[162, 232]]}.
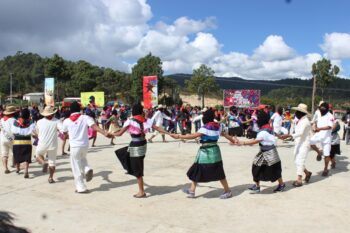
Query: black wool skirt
{"points": [[206, 172], [267, 173], [133, 165], [22, 153], [335, 150]]}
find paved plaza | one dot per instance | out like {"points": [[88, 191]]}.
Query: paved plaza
{"points": [[321, 206]]}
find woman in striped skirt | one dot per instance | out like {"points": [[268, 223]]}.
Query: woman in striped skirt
{"points": [[22, 130], [267, 164], [132, 157], [208, 165]]}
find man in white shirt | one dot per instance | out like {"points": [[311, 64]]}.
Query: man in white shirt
{"points": [[157, 120], [6, 135], [76, 126], [277, 121], [302, 143], [46, 129], [323, 135]]}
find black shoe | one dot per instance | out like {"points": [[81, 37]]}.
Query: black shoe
{"points": [[280, 188]]}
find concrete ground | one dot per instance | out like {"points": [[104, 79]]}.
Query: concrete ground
{"points": [[321, 206]]}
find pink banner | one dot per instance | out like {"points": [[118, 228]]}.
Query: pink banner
{"points": [[150, 91], [242, 98]]}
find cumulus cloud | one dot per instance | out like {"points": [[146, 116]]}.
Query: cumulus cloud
{"points": [[337, 45], [117, 33]]}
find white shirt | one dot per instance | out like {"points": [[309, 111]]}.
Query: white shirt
{"points": [[158, 117], [277, 122], [317, 115], [6, 126], [324, 121], [302, 132], [47, 133], [266, 138], [78, 130]]}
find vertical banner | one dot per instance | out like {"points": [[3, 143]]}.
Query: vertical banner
{"points": [[49, 91], [95, 99], [150, 91], [242, 98]]}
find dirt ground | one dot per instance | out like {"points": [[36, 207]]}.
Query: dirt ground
{"points": [[320, 206]]}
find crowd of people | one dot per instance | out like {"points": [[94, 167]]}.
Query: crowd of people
{"points": [[23, 128]]}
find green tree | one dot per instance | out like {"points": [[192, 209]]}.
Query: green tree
{"points": [[323, 75], [146, 66], [202, 82]]}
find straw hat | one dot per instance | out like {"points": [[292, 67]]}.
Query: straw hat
{"points": [[321, 102], [48, 111], [10, 110], [160, 106], [301, 108], [204, 109]]}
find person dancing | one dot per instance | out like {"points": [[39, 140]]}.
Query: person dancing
{"points": [[132, 157], [267, 164], [208, 165]]}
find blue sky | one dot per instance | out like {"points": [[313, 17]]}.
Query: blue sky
{"points": [[252, 39], [243, 24]]}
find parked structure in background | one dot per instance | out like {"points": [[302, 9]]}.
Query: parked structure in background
{"points": [[34, 98]]}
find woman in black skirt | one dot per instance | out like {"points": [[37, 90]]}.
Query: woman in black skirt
{"points": [[132, 157], [22, 130], [208, 165], [267, 164]]}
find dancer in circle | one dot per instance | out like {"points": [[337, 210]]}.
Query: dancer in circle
{"points": [[302, 143], [76, 126], [208, 165], [23, 130], [132, 157], [267, 164], [6, 135]]}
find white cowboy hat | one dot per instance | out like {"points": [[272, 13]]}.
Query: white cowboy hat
{"points": [[204, 109], [301, 108], [321, 102], [10, 110], [160, 106], [48, 111]]}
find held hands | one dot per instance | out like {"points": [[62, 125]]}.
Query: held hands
{"points": [[283, 137], [108, 134], [316, 130]]}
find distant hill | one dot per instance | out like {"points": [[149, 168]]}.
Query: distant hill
{"points": [[340, 88]]}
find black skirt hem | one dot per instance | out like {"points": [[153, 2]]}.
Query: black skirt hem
{"points": [[267, 173], [203, 173]]}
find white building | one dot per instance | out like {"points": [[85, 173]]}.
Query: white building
{"points": [[34, 98]]}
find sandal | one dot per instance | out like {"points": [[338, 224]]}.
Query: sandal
{"points": [[26, 176], [51, 181], [297, 184], [307, 177], [7, 171], [142, 196]]}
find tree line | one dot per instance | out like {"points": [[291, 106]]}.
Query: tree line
{"points": [[29, 70]]}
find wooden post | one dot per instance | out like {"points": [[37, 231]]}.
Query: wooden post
{"points": [[313, 96]]}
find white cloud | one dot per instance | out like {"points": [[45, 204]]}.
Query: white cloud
{"points": [[274, 48], [117, 33], [337, 45]]}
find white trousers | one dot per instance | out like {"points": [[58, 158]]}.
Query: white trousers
{"points": [[300, 154], [79, 166]]}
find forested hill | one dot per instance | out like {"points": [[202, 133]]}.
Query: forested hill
{"points": [[293, 87]]}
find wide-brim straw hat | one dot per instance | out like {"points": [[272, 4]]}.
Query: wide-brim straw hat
{"points": [[48, 111], [301, 108], [160, 106], [10, 110]]}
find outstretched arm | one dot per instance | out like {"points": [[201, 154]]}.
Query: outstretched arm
{"points": [[250, 142], [101, 131], [187, 136], [161, 130], [233, 140], [120, 132]]}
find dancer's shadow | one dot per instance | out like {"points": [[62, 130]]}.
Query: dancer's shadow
{"points": [[110, 184], [236, 191], [342, 164], [40, 173], [162, 190]]}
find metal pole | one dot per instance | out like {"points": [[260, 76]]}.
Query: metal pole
{"points": [[11, 88]]}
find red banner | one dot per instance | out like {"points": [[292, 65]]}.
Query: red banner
{"points": [[150, 91]]}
